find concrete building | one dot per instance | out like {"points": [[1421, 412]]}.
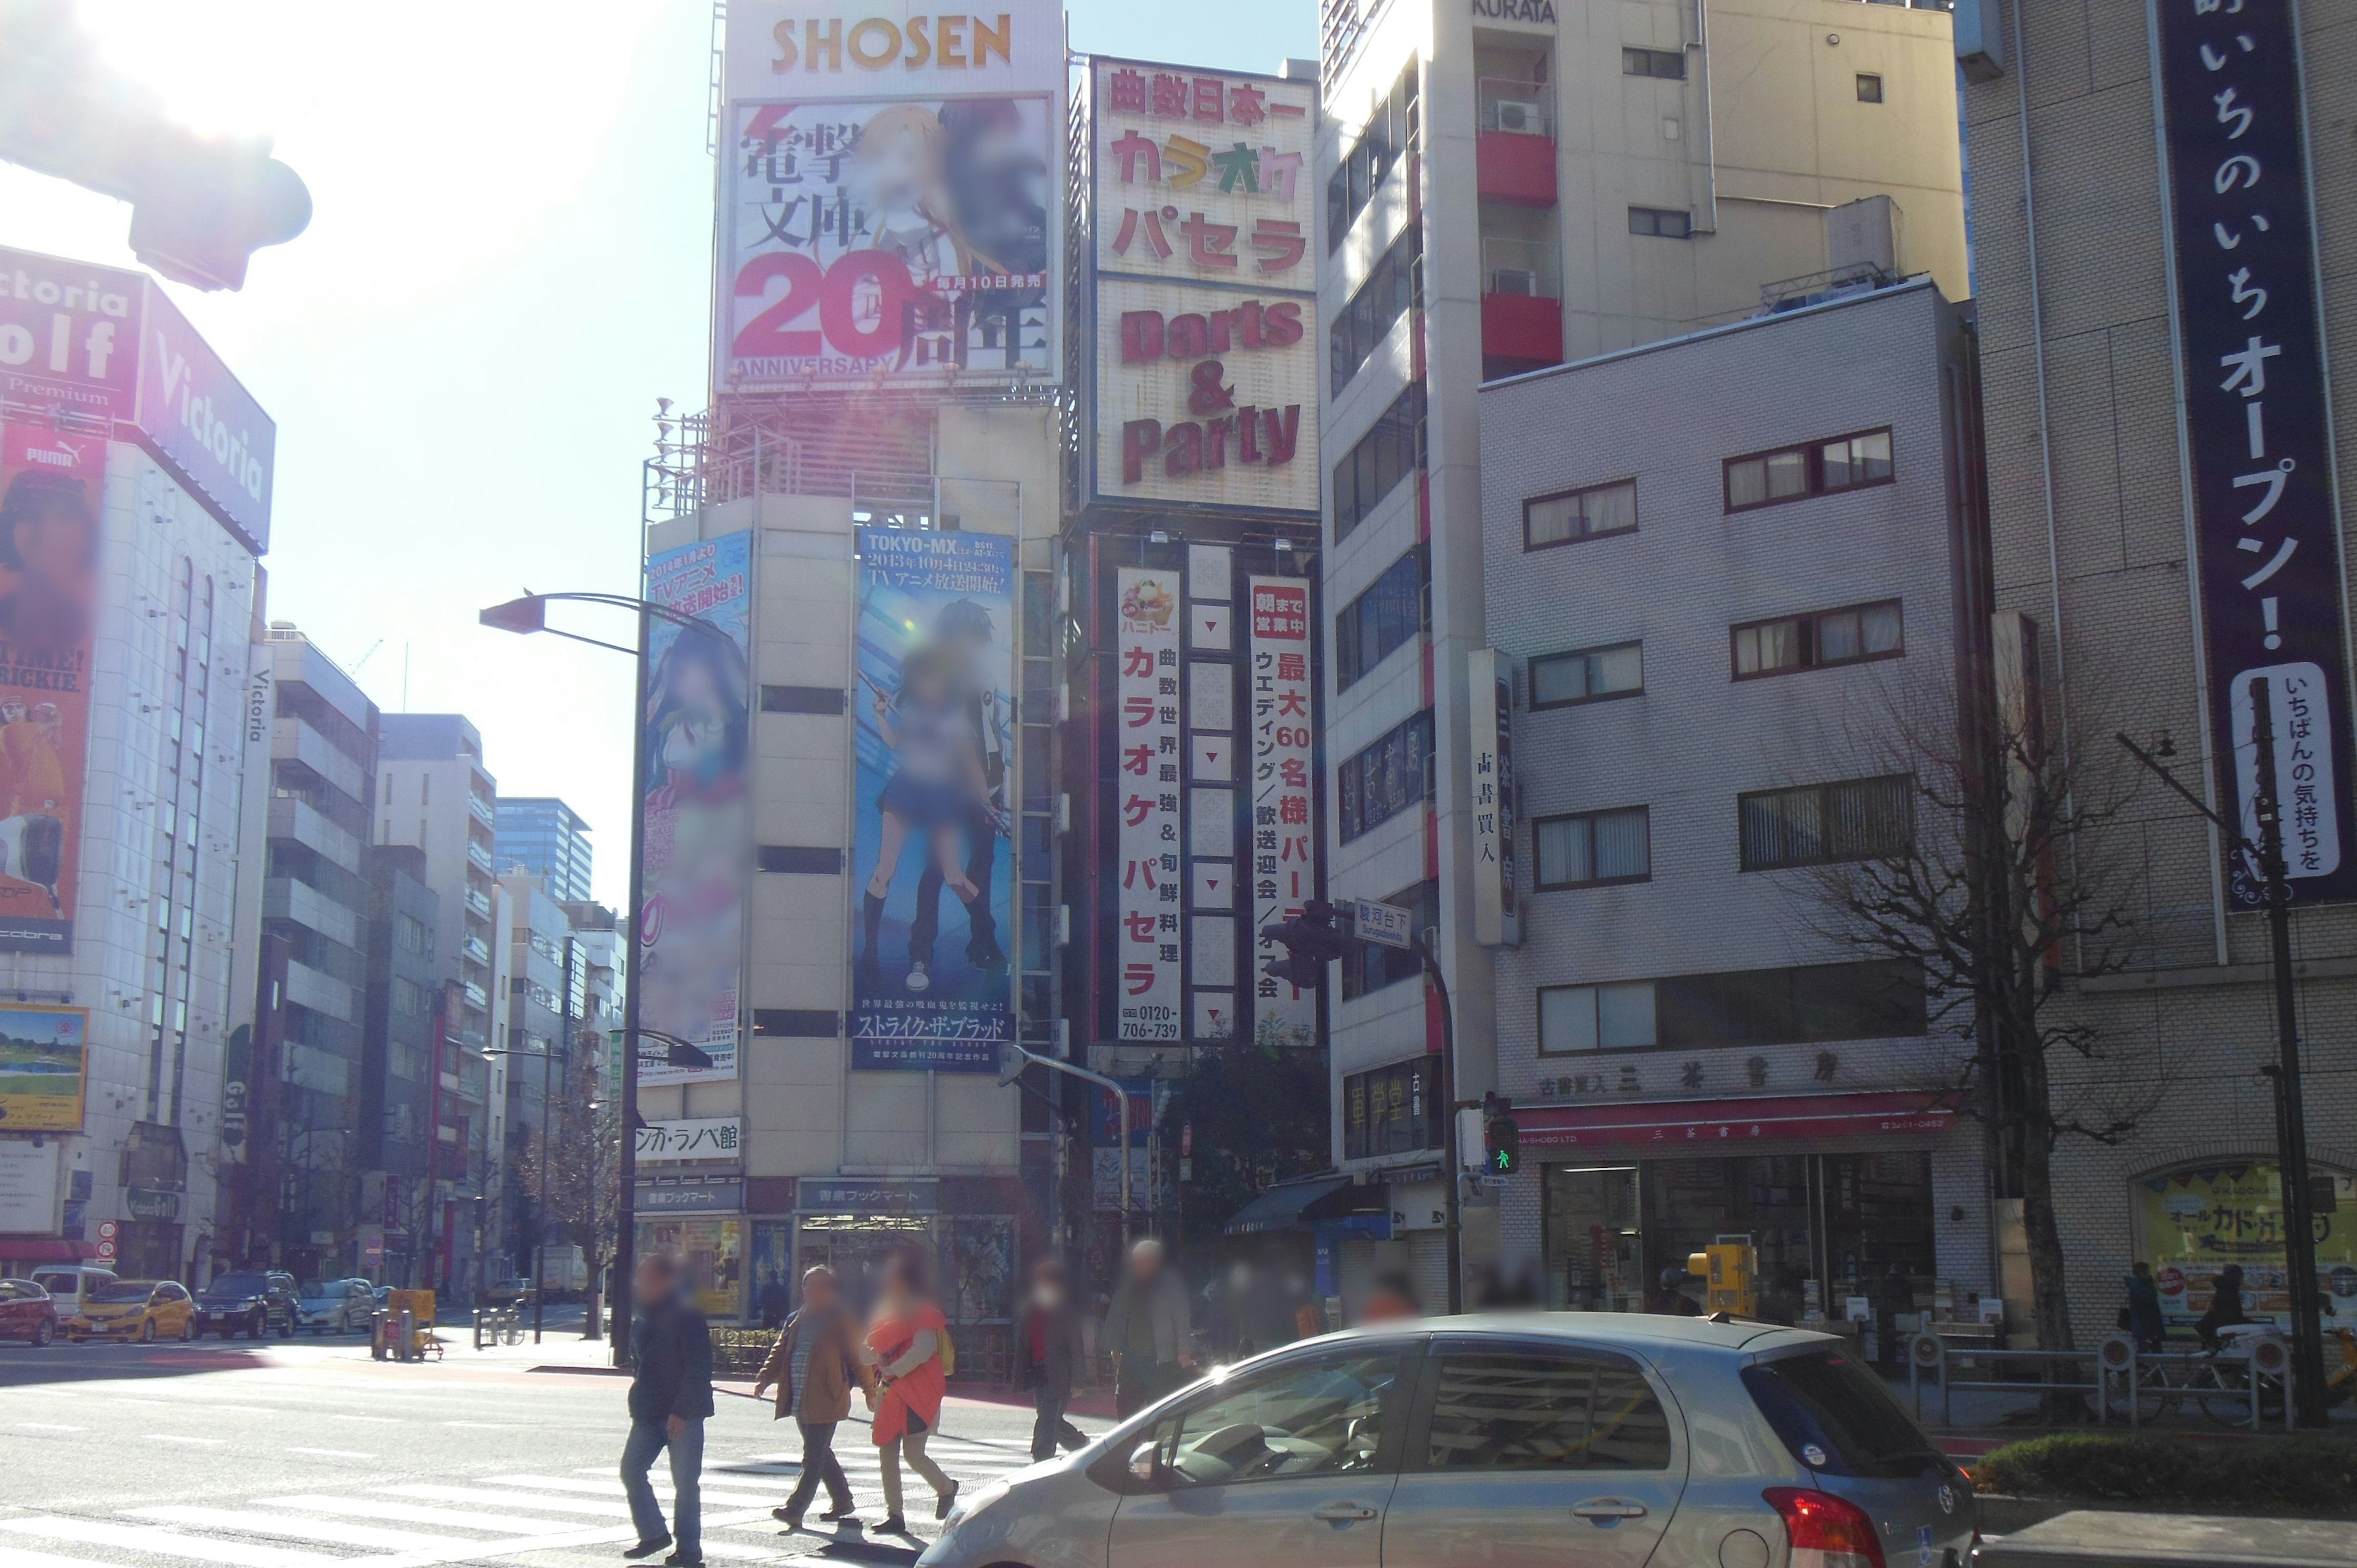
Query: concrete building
{"points": [[434, 794], [401, 1097], [547, 838], [130, 895], [841, 1162], [1508, 186], [306, 1108], [1711, 688], [2119, 266], [538, 1061]]}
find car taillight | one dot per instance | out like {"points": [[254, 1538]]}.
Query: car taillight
{"points": [[1826, 1531]]}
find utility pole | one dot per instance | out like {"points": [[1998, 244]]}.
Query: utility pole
{"points": [[1451, 1155], [2291, 1117]]}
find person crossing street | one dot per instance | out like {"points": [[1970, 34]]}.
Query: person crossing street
{"points": [[813, 1366], [1047, 1353], [905, 1341], [671, 1399]]}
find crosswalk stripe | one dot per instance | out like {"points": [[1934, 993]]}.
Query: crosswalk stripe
{"points": [[22, 1559], [605, 1508], [335, 1532], [165, 1543], [389, 1512], [662, 1486]]}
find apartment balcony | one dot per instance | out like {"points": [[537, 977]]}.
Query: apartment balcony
{"points": [[291, 818], [479, 857], [477, 906], [476, 997], [321, 992], [478, 950], [1513, 146], [283, 899], [481, 811], [1521, 306], [292, 738]]}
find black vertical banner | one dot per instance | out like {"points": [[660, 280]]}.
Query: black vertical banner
{"points": [[2267, 551]]}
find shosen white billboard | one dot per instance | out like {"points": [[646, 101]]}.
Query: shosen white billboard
{"points": [[1207, 348], [888, 188]]}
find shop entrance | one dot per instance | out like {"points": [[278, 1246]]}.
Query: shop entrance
{"points": [[1859, 1225]]}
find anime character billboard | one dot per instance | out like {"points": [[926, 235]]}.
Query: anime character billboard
{"points": [[51, 495], [697, 715], [932, 859]]}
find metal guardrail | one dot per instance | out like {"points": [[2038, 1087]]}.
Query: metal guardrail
{"points": [[498, 1325], [2235, 1386]]}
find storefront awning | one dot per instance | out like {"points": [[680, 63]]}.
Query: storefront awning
{"points": [[1695, 1126], [44, 1250], [1292, 1205]]}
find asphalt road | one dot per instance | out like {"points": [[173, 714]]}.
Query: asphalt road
{"points": [[307, 1453]]}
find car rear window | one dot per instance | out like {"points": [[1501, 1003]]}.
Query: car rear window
{"points": [[1835, 1416]]}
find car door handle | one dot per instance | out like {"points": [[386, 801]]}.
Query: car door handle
{"points": [[1343, 1513], [1609, 1508]]}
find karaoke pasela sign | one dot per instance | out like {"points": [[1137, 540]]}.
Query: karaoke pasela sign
{"points": [[890, 214], [2266, 545]]}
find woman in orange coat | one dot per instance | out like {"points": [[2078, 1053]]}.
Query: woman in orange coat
{"points": [[904, 1343]]}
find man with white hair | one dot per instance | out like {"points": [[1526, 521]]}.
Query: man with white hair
{"points": [[1147, 1330]]}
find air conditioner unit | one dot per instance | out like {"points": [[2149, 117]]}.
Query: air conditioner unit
{"points": [[1520, 116], [1513, 280]]}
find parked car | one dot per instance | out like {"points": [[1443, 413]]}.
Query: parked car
{"points": [[335, 1306], [144, 1310], [1596, 1440], [27, 1312], [516, 1292], [69, 1285], [252, 1300]]}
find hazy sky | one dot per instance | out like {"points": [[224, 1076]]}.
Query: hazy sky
{"points": [[506, 266]]}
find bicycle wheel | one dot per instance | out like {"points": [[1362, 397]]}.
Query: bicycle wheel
{"points": [[2226, 1394]]}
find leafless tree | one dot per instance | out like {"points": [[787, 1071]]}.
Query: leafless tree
{"points": [[584, 1138], [2011, 883]]}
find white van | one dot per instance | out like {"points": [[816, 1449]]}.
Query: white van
{"points": [[71, 1284]]}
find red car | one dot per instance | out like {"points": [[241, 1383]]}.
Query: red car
{"points": [[27, 1312]]}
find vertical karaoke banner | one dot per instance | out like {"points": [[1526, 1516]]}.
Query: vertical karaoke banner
{"points": [[1284, 824], [698, 823], [51, 497], [1145, 743], [930, 889]]}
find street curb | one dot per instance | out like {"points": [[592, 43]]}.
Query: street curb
{"points": [[583, 1371]]}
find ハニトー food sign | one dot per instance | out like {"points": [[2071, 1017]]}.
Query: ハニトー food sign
{"points": [[1206, 368]]}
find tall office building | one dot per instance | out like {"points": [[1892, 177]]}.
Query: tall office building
{"points": [[305, 1099], [133, 738], [1508, 186], [402, 1101], [547, 838], [2172, 370]]}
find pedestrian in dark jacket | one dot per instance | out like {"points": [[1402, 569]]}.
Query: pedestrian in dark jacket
{"points": [[671, 1399], [2144, 1320], [1048, 1355], [1146, 1329], [814, 1365], [2225, 1306]]}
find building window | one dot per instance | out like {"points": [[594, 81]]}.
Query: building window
{"points": [[1810, 1005], [1390, 132], [1381, 620], [1870, 88], [1789, 473], [1368, 967], [1661, 223], [1387, 778], [1392, 450], [1668, 64], [1587, 675], [1819, 825], [1392, 1110], [1577, 1018], [1575, 515], [1386, 295], [814, 862], [1592, 848], [802, 699], [1850, 636]]}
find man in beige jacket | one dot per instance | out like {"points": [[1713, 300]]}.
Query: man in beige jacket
{"points": [[813, 1366]]}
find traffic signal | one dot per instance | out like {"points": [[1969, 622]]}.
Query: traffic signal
{"points": [[203, 207], [1501, 1140], [1311, 941]]}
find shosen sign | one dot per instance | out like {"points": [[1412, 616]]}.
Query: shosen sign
{"points": [[2265, 539]]}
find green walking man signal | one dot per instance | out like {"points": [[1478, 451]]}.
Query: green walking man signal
{"points": [[1501, 1140]]}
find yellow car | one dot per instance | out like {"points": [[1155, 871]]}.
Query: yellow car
{"points": [[144, 1310]]}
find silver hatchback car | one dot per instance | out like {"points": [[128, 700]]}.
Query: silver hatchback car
{"points": [[1573, 1440]]}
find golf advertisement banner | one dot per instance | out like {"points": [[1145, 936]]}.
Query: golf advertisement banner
{"points": [[931, 888], [51, 498], [42, 1053], [698, 717]]}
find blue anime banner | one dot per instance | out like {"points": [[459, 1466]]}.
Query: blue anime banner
{"points": [[2266, 544], [932, 858]]}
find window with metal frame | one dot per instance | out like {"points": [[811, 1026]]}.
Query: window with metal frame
{"points": [[1386, 617], [1670, 65], [1822, 824], [1386, 777], [1567, 516], [1590, 849], [1587, 675], [1809, 469], [1851, 635], [1390, 450], [1388, 294], [1388, 135], [1661, 223]]}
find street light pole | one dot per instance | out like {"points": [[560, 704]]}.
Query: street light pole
{"points": [[1454, 1221], [626, 1208], [2291, 1116], [1121, 1099]]}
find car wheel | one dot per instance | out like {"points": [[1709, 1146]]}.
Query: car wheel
{"points": [[45, 1334], [188, 1331], [146, 1331], [287, 1329], [257, 1325]]}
